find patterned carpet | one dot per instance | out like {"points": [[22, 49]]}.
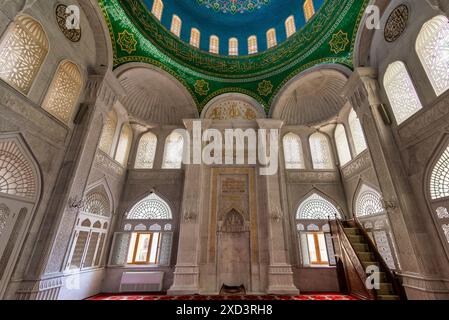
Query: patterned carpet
{"points": [[309, 297]]}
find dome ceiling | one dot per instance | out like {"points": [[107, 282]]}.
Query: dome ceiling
{"points": [[327, 39], [233, 19]]}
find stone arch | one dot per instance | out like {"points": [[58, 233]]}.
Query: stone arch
{"points": [[323, 196], [102, 187], [143, 197], [234, 106], [365, 187]]}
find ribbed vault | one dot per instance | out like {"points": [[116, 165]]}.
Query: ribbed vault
{"points": [[155, 97], [311, 99]]}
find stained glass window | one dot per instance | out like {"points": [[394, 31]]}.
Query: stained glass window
{"points": [[358, 137], [124, 145], [16, 174], [271, 38], [401, 92], [290, 26], [173, 154], [107, 135], [233, 47], [64, 91], [341, 140], [252, 45], [158, 8], [432, 46], [214, 45], [97, 203], [321, 151], [309, 9], [439, 180], [293, 153], [150, 208], [316, 207], [146, 151], [23, 49], [368, 202], [195, 37], [176, 24]]}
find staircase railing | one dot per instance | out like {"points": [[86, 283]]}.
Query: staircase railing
{"points": [[355, 264], [390, 275]]}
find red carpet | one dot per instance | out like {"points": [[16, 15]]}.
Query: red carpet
{"points": [[143, 297]]}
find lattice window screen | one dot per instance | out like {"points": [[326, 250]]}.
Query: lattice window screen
{"points": [[97, 203], [368, 202], [383, 245], [432, 46], [173, 153], [357, 133], [293, 153], [321, 151], [165, 251], [78, 252], [439, 179], [150, 208], [23, 49], [158, 8], [119, 252], [64, 91], [290, 26], [107, 135], [341, 140], [316, 207], [124, 145], [16, 174], [146, 151], [401, 92]]}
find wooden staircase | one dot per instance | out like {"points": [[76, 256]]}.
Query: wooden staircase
{"points": [[358, 252]]}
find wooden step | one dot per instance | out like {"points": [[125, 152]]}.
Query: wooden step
{"points": [[366, 256], [360, 247], [356, 239], [352, 231], [388, 297], [385, 289]]}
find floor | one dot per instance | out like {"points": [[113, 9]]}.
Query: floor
{"points": [[149, 297]]}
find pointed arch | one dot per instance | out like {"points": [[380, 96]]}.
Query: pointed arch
{"points": [[152, 207], [97, 202], [146, 151], [316, 206], [439, 176], [368, 201], [23, 49]]}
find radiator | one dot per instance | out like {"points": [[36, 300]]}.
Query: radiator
{"points": [[141, 282]]}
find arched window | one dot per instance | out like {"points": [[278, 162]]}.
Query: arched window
{"points": [[432, 46], [271, 38], [252, 45], [23, 49], [16, 174], [173, 153], [321, 151], [151, 207], [108, 133], [293, 153], [64, 92], [369, 202], [290, 26], [309, 9], [357, 133], [195, 37], [439, 179], [158, 8], [214, 45], [341, 140], [176, 24], [146, 151], [233, 47], [90, 231], [124, 145], [316, 207], [401, 92]]}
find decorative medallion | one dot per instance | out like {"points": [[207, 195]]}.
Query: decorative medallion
{"points": [[127, 42], [265, 88], [396, 23], [233, 6], [339, 42], [68, 22], [202, 87]]}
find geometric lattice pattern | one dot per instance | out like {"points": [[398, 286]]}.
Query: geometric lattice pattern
{"points": [[401, 92], [294, 157], [107, 135], [341, 140], [357, 133], [146, 151], [442, 213], [64, 91], [439, 180], [316, 207], [97, 203], [432, 46], [290, 26], [173, 154], [446, 231], [124, 144], [321, 152], [16, 174], [368, 202], [151, 207], [158, 8], [4, 217], [22, 52], [383, 246]]}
